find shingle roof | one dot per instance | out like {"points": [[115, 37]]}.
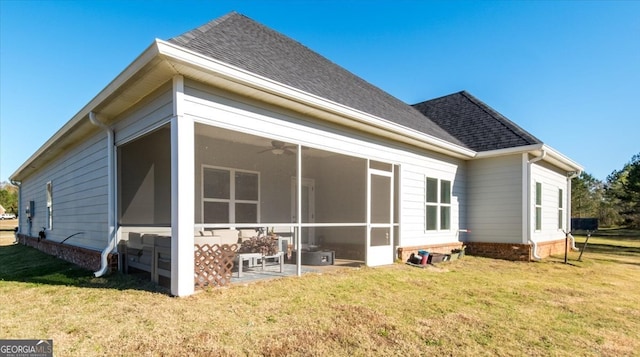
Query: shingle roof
{"points": [[244, 43], [477, 125]]}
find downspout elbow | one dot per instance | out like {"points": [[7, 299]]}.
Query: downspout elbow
{"points": [[534, 252], [94, 120], [104, 256], [573, 243], [543, 154]]}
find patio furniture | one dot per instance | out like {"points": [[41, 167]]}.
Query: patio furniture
{"points": [[315, 257], [250, 258], [218, 236], [279, 256], [150, 253]]}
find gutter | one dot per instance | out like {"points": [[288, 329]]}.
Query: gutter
{"points": [[534, 253], [104, 263]]}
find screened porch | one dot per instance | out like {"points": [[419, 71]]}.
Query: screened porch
{"points": [[308, 199]]}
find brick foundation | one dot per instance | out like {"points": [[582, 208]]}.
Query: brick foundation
{"points": [[555, 247], [507, 251], [86, 258], [515, 252], [405, 252]]}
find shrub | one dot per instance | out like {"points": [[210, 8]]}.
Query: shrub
{"points": [[264, 245]]}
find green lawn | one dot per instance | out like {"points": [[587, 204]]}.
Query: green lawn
{"points": [[472, 306]]}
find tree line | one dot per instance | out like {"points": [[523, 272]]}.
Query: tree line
{"points": [[9, 197], [615, 201]]}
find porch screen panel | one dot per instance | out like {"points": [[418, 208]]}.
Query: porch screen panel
{"points": [[380, 196], [340, 190], [144, 180]]}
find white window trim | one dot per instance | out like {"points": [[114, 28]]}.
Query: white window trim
{"points": [[232, 188], [438, 204]]}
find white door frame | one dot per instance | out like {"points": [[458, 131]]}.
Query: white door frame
{"points": [[381, 254], [311, 189]]}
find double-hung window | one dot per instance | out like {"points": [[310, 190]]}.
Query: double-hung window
{"points": [[230, 195], [538, 206], [560, 209], [437, 204]]}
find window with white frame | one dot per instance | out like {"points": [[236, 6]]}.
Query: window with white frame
{"points": [[49, 205], [437, 204], [230, 195], [538, 206], [560, 209]]}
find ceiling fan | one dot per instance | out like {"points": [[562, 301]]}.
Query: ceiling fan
{"points": [[279, 147]]}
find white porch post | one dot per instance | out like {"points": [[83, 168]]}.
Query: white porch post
{"points": [[299, 212], [182, 191]]}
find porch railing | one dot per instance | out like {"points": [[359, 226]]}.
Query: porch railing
{"points": [[213, 264]]}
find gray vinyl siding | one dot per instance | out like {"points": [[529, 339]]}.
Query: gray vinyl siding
{"points": [[551, 180], [495, 199], [153, 112], [79, 178], [79, 191], [413, 201]]}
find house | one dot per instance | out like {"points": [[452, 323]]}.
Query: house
{"points": [[235, 126]]}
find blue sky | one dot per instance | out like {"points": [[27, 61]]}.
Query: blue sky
{"points": [[567, 72]]}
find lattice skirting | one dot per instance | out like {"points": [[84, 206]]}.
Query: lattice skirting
{"points": [[213, 264]]}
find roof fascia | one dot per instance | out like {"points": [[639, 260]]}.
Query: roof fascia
{"points": [[552, 156], [560, 159], [173, 52], [140, 62], [509, 151]]}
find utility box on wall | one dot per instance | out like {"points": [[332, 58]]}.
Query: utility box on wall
{"points": [[30, 210]]}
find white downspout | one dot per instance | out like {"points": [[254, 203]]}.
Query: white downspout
{"points": [[573, 243], [534, 253], [569, 228], [104, 263], [19, 184]]}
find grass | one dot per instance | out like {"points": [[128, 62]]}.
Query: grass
{"points": [[472, 306]]}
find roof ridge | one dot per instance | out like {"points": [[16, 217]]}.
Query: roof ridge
{"points": [[247, 44], [440, 97], [501, 119], [186, 37]]}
